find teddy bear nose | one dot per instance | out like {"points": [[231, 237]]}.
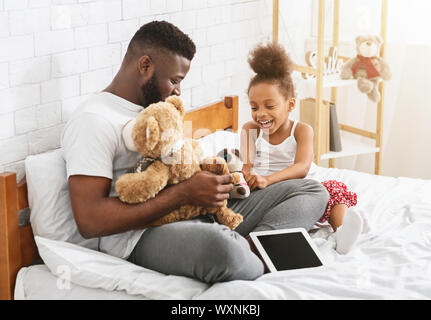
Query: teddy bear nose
{"points": [[241, 191]]}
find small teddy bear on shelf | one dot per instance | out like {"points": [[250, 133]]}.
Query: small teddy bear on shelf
{"points": [[157, 134], [367, 67], [240, 190]]}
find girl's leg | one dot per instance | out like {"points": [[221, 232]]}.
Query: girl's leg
{"points": [[344, 219], [337, 214], [286, 204]]}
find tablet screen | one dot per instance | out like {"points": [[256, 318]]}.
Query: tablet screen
{"points": [[289, 251]]}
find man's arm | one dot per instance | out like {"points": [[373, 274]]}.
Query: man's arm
{"points": [[97, 214]]}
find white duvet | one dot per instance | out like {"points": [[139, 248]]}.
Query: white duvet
{"points": [[391, 261]]}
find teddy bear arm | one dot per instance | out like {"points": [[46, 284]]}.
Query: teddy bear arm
{"points": [[185, 212], [215, 165], [346, 70], [240, 188], [173, 216], [385, 71], [229, 218], [141, 186], [236, 177]]}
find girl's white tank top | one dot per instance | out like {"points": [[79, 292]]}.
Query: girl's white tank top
{"points": [[270, 159]]}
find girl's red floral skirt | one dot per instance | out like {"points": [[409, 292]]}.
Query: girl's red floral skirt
{"points": [[338, 194]]}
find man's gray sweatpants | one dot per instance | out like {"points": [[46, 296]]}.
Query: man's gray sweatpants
{"points": [[211, 252]]}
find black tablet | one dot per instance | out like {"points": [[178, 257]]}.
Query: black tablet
{"points": [[287, 249]]}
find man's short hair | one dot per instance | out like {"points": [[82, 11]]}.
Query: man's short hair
{"points": [[162, 34]]}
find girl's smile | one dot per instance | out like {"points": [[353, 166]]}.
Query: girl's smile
{"points": [[267, 125], [269, 108]]}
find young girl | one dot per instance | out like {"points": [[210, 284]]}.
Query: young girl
{"points": [[278, 148]]}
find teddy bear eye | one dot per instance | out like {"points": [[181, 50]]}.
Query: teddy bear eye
{"points": [[227, 157]]}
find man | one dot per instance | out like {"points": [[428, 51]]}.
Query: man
{"points": [[157, 60]]}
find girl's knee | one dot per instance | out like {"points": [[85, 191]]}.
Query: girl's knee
{"points": [[319, 189]]}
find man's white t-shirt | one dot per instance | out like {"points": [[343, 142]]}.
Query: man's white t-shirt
{"points": [[92, 145]]}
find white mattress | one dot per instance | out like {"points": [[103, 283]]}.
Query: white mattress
{"points": [[392, 261]]}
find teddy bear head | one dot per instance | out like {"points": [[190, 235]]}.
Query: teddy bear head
{"points": [[234, 162], [232, 158], [157, 130], [368, 45]]}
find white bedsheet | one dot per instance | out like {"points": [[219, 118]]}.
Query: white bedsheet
{"points": [[391, 261]]}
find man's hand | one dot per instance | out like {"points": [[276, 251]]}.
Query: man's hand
{"points": [[206, 189], [256, 181]]}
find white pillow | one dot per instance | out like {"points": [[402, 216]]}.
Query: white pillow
{"points": [[217, 141], [48, 195], [94, 269]]}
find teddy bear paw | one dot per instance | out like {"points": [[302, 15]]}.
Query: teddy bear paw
{"points": [[374, 95], [346, 74], [365, 85], [236, 221]]}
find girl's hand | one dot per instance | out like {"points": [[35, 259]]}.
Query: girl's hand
{"points": [[246, 169], [245, 173], [256, 181]]}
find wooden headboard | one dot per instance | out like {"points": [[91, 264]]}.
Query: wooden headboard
{"points": [[17, 245]]}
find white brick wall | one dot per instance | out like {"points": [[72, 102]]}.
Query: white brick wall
{"points": [[55, 53]]}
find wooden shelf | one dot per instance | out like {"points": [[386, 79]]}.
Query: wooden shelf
{"points": [[351, 147], [314, 88], [331, 81]]}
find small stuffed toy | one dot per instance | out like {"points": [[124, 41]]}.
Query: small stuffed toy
{"points": [[367, 67], [240, 190], [168, 158]]}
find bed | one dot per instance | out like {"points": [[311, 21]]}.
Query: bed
{"points": [[391, 261]]}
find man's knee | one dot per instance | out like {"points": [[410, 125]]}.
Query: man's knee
{"points": [[228, 257]]}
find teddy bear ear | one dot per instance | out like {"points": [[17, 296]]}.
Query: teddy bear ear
{"points": [[237, 153], [152, 133], [222, 153], [378, 39], [359, 39], [177, 102]]}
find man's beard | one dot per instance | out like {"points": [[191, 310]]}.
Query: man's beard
{"points": [[151, 92]]}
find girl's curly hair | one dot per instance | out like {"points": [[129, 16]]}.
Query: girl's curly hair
{"points": [[272, 64]]}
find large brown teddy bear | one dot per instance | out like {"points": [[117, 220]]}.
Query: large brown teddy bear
{"points": [[367, 67], [157, 134]]}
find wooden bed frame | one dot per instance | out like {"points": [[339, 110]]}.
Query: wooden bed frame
{"points": [[17, 246]]}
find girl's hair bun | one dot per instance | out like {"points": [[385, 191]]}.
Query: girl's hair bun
{"points": [[270, 61]]}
